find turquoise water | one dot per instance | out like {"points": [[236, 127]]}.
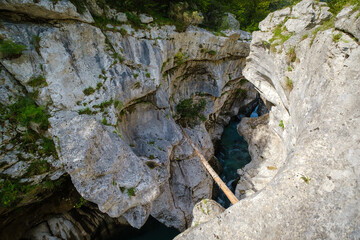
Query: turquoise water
{"points": [[232, 154]]}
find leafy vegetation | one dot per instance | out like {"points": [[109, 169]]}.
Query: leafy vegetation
{"points": [[282, 124], [291, 54], [131, 191], [25, 111], [10, 49], [11, 190], [337, 37], [88, 91], [337, 5], [38, 81], [80, 203], [306, 179], [189, 112]]}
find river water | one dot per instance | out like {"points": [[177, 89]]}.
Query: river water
{"points": [[232, 154]]}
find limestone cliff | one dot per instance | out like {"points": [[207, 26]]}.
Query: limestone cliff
{"points": [[111, 94], [303, 181]]}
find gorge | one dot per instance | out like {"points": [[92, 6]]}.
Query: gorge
{"points": [[91, 111]]}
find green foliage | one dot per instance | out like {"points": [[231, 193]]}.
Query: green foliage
{"points": [[104, 105], [99, 85], [37, 167], [291, 54], [86, 111], [151, 165], [11, 192], [118, 104], [10, 49], [36, 42], [38, 81], [189, 112], [123, 31], [148, 75], [211, 52], [306, 179], [337, 5], [337, 37], [131, 191], [25, 111], [134, 20], [282, 124], [179, 58], [151, 157], [80, 203], [305, 36], [280, 35], [80, 5], [137, 85], [88, 91]]}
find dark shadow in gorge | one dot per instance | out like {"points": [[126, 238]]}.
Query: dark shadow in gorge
{"points": [[232, 151]]}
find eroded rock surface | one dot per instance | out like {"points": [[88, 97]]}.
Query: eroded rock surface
{"points": [[112, 95], [311, 82]]}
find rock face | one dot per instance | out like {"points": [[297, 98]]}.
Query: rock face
{"points": [[303, 183], [60, 10], [112, 96], [205, 210]]}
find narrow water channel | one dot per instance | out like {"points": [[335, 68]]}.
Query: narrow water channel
{"points": [[232, 154]]}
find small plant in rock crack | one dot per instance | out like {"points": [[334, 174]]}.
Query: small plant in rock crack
{"points": [[80, 203], [282, 124], [306, 179], [131, 191]]}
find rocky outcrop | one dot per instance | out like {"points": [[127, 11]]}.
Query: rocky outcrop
{"points": [[306, 171], [205, 210], [112, 93], [57, 10]]}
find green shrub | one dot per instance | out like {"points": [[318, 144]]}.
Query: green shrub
{"points": [[131, 191], [88, 91], [134, 20], [86, 111], [189, 112], [99, 85], [25, 111], [11, 192], [10, 49], [148, 75], [337, 37], [291, 54], [38, 81]]}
